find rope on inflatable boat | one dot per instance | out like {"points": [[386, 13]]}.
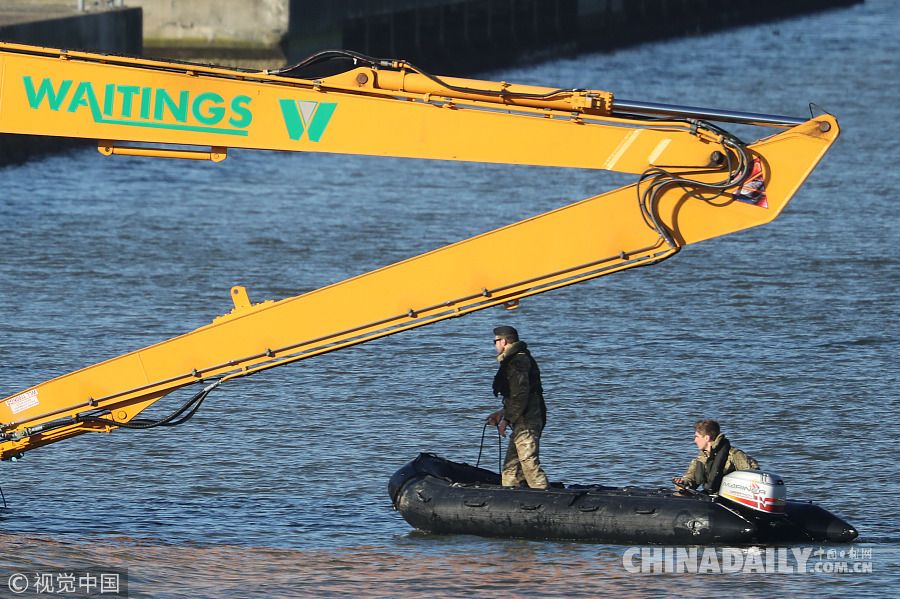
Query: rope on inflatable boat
{"points": [[499, 448]]}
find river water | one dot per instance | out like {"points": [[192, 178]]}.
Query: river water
{"points": [[786, 333]]}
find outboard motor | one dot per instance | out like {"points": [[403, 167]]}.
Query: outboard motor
{"points": [[757, 490], [761, 497]]}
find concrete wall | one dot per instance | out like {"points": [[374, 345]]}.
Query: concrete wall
{"points": [[248, 22], [237, 33], [113, 31], [466, 36], [448, 36], [116, 30]]}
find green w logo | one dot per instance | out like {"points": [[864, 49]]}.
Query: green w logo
{"points": [[312, 117]]}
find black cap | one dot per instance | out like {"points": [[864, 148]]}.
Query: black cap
{"points": [[505, 330]]}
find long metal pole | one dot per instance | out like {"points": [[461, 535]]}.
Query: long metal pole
{"points": [[631, 107]]}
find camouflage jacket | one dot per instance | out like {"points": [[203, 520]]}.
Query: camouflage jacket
{"points": [[699, 471], [518, 380]]}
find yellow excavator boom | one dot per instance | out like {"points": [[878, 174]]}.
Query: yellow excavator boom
{"points": [[695, 181]]}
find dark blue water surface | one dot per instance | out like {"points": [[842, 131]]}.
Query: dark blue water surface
{"points": [[786, 333]]}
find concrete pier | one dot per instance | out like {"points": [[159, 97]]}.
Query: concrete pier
{"points": [[450, 37], [463, 37], [60, 24]]}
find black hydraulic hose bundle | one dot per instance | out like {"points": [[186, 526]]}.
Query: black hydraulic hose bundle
{"points": [[173, 419], [653, 180], [344, 60]]}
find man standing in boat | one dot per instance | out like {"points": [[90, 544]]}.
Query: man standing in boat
{"points": [[519, 382], [717, 458]]}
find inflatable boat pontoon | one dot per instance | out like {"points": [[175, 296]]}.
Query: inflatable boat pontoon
{"points": [[439, 496]]}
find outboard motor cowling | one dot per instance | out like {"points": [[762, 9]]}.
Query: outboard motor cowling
{"points": [[761, 491]]}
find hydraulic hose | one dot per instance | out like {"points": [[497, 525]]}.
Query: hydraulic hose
{"points": [[175, 418], [193, 404]]}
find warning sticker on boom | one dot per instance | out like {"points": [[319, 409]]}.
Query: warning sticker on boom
{"points": [[23, 401]]}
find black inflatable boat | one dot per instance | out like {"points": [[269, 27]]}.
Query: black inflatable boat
{"points": [[444, 497]]}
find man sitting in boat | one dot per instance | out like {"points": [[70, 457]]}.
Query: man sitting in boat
{"points": [[519, 382], [717, 458]]}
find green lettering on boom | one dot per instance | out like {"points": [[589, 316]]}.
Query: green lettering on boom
{"points": [[208, 108], [214, 113], [320, 120], [128, 92], [146, 92], [179, 110], [54, 98], [311, 117], [109, 97], [84, 96], [239, 107]]}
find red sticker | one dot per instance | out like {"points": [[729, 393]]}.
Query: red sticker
{"points": [[753, 190]]}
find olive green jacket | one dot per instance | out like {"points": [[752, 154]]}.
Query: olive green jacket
{"points": [[518, 380], [699, 470]]}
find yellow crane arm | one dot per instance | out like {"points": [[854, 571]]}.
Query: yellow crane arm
{"points": [[696, 181]]}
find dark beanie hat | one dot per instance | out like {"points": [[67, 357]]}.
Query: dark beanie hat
{"points": [[505, 330]]}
